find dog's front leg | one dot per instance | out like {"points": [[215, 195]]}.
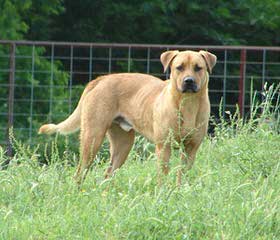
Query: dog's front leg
{"points": [[163, 154], [187, 160]]}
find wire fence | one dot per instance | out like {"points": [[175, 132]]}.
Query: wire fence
{"points": [[42, 81]]}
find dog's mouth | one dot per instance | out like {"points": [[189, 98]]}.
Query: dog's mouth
{"points": [[189, 88]]}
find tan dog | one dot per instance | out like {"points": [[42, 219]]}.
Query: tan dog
{"points": [[122, 104]]}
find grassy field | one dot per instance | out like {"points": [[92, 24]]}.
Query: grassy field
{"points": [[232, 192]]}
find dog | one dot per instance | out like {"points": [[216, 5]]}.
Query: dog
{"points": [[118, 105]]}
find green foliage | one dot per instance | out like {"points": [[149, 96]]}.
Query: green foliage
{"points": [[11, 24], [23, 19], [174, 22], [27, 18]]}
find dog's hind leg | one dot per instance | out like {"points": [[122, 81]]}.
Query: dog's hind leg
{"points": [[121, 143], [91, 140], [94, 124]]}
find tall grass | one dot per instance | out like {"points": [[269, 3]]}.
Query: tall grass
{"points": [[232, 192]]}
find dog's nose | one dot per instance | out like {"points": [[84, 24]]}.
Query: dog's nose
{"points": [[188, 80]]}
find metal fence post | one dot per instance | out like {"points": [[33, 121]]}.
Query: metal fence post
{"points": [[263, 72], [225, 83], [70, 80], [11, 97], [241, 84], [167, 71], [51, 84], [90, 64], [129, 59], [148, 60], [110, 61], [32, 94]]}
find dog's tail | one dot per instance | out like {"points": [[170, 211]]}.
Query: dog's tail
{"points": [[73, 122], [69, 125]]}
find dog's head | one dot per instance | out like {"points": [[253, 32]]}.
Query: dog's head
{"points": [[189, 69]]}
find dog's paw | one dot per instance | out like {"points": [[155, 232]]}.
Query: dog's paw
{"points": [[48, 129]]}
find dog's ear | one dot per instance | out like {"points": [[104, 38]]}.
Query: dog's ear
{"points": [[210, 60], [167, 57]]}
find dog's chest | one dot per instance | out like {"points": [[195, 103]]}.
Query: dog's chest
{"points": [[186, 127], [183, 125]]}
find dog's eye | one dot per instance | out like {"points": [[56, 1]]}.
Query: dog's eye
{"points": [[197, 68], [180, 68]]}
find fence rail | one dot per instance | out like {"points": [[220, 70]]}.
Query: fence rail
{"points": [[131, 45], [41, 80]]}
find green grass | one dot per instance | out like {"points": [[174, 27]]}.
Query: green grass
{"points": [[232, 192]]}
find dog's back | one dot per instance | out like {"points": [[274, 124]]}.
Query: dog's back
{"points": [[137, 88]]}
